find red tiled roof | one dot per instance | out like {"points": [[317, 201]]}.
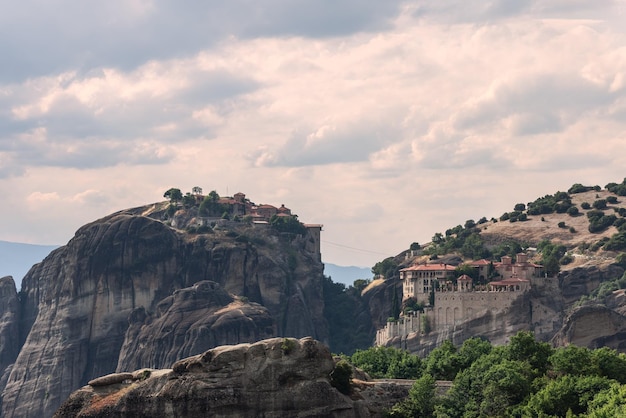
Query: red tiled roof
{"points": [[464, 278], [430, 267], [479, 263]]}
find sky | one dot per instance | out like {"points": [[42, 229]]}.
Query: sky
{"points": [[385, 121]]}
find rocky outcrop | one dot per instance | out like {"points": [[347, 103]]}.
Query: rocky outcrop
{"points": [[582, 280], [115, 295], [278, 377], [593, 327], [189, 322], [9, 329]]}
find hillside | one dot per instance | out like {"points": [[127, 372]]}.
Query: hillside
{"points": [[545, 226], [576, 240]]}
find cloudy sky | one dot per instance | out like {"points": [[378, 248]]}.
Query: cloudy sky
{"points": [[386, 121]]}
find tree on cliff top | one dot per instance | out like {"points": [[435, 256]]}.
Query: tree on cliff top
{"points": [[174, 195]]}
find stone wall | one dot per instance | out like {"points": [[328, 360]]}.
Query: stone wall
{"points": [[451, 308]]}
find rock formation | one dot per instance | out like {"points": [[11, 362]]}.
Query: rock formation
{"points": [[114, 296], [278, 377]]}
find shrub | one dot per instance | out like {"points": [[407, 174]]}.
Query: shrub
{"points": [[561, 224], [523, 217], [340, 377], [520, 207], [566, 259], [572, 211], [599, 204], [572, 229], [578, 188], [504, 217], [288, 345], [585, 205], [611, 199]]}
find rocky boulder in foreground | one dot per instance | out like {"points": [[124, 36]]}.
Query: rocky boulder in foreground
{"points": [[278, 377]]}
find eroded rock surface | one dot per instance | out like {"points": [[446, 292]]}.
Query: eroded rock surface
{"points": [[271, 378], [130, 290]]}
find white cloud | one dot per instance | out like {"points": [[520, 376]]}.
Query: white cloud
{"points": [[385, 122]]}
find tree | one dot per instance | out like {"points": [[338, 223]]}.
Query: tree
{"points": [[600, 204], [196, 190], [388, 362], [174, 195], [289, 224], [442, 363], [210, 205], [520, 207], [340, 377], [420, 402], [524, 347], [188, 200], [386, 268], [565, 394]]}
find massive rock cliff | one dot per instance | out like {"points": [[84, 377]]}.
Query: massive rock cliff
{"points": [[271, 378], [131, 291]]}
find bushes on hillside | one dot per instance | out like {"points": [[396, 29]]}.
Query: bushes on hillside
{"points": [[598, 221]]}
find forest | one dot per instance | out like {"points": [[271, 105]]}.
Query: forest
{"points": [[524, 378]]}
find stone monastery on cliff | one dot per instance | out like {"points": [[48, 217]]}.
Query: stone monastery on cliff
{"points": [[448, 302]]}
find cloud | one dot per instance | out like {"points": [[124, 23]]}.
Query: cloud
{"points": [[328, 144], [38, 38]]}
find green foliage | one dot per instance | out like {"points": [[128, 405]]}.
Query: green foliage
{"points": [[388, 268], [598, 221], [524, 347], [599, 204], [585, 205], [559, 202], [467, 241], [343, 308], [609, 403], [579, 188], [288, 345], [562, 225], [618, 189], [442, 363], [523, 378], [567, 393], [611, 199], [414, 246], [617, 242], [340, 377], [420, 402], [573, 211], [173, 194], [387, 362], [621, 260], [360, 284], [520, 207], [210, 205], [289, 224], [550, 256]]}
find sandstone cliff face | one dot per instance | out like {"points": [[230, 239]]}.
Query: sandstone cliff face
{"points": [[9, 329], [76, 304], [272, 378], [188, 322], [594, 327]]}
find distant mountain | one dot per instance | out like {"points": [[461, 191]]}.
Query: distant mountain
{"points": [[346, 274], [17, 258]]}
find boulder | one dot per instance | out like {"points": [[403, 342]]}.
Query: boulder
{"points": [[278, 377]]}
